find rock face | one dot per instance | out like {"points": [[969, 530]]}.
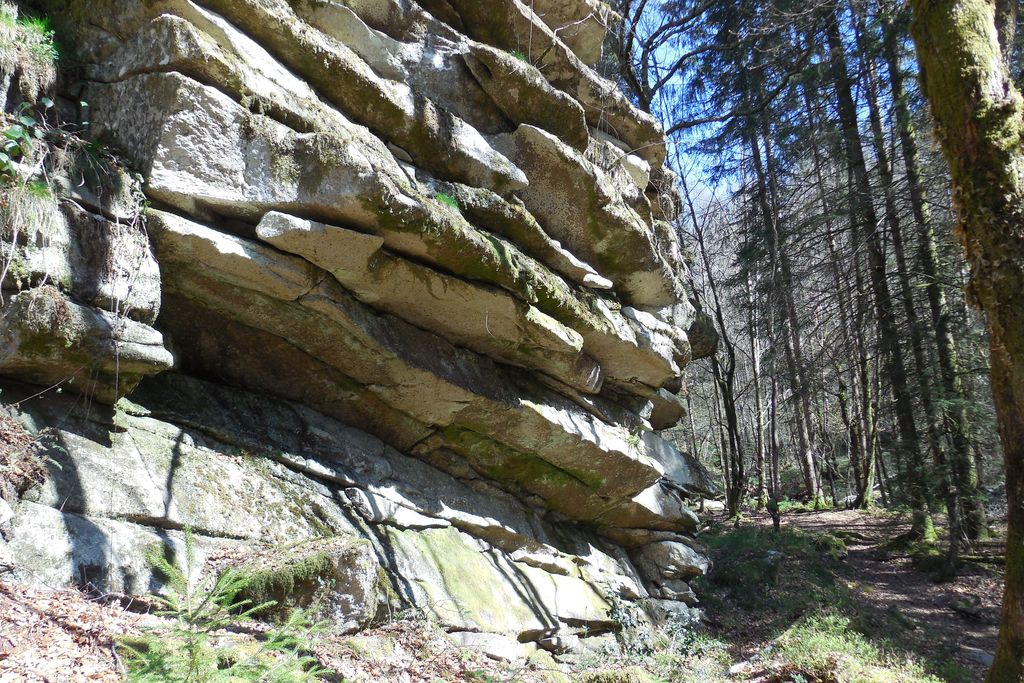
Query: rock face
{"points": [[395, 298]]}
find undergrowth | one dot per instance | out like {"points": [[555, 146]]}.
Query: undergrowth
{"points": [[200, 645], [831, 647], [781, 609]]}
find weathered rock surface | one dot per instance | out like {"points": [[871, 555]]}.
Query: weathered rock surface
{"points": [[580, 25], [283, 482], [486, 320], [393, 308], [586, 209], [49, 339]]}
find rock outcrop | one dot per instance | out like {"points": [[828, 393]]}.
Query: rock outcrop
{"points": [[394, 300]]}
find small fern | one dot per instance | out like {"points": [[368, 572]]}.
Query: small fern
{"points": [[194, 649]]}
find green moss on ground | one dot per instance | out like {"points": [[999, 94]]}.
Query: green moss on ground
{"points": [[631, 674]]}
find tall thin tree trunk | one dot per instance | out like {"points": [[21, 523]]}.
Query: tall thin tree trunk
{"points": [[755, 355], [724, 371], [782, 279], [868, 393], [853, 424], [909, 442], [947, 489]]}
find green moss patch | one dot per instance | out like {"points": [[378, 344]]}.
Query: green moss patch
{"points": [[283, 573]]}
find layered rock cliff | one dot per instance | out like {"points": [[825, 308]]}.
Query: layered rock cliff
{"points": [[388, 280]]}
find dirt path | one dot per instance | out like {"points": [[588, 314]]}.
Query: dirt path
{"points": [[961, 616]]}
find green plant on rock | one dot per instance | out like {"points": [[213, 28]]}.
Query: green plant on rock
{"points": [[27, 49], [19, 139], [39, 37], [448, 200], [633, 441], [34, 148], [198, 647], [633, 635]]}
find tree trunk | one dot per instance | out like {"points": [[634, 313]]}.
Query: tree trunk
{"points": [[773, 431], [980, 117], [724, 372], [868, 389], [853, 423], [909, 442], [782, 279], [947, 489], [759, 440]]}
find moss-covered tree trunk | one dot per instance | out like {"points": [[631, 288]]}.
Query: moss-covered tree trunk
{"points": [[980, 122]]}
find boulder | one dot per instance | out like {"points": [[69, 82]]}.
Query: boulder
{"points": [[54, 548], [469, 589], [525, 96], [486, 320], [256, 166], [334, 581], [511, 220], [675, 589], [380, 510], [101, 262], [427, 273], [503, 23], [416, 373], [436, 138], [666, 560], [580, 24], [304, 533], [152, 474]]}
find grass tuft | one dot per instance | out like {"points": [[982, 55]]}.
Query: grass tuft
{"points": [[448, 200], [28, 50]]}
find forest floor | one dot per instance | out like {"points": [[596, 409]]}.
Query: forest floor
{"points": [[935, 621], [960, 615]]}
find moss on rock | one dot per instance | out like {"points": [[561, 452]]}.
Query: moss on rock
{"points": [[335, 580]]}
